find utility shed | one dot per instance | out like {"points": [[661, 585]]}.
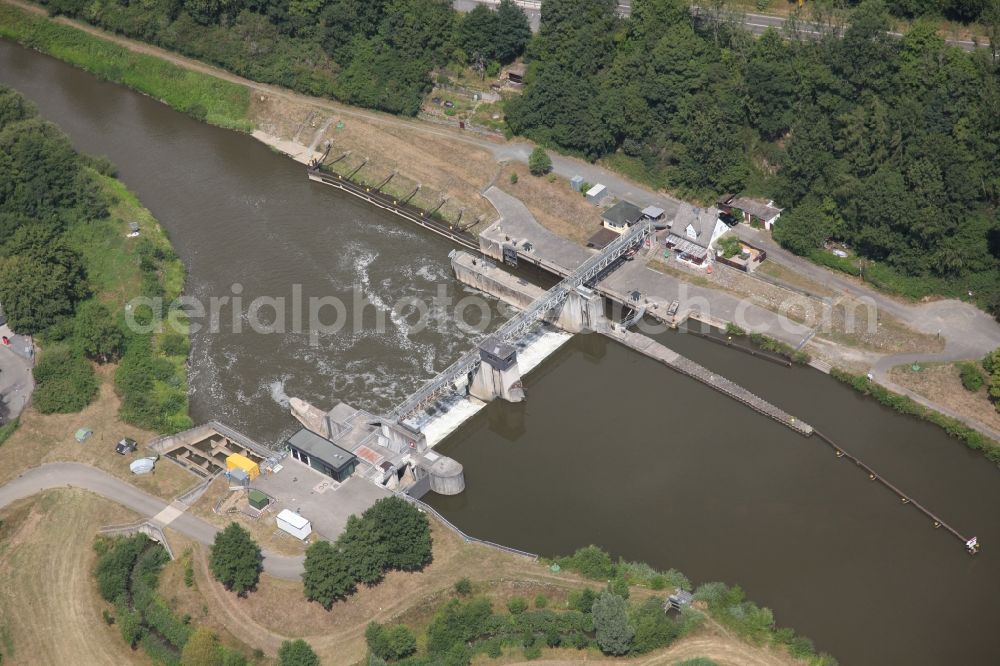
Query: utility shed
{"points": [[576, 182], [294, 524], [597, 193], [237, 461], [257, 499], [322, 455]]}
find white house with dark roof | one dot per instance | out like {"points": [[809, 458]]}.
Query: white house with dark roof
{"points": [[693, 231]]}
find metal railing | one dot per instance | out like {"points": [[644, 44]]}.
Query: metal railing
{"points": [[423, 506], [590, 270]]}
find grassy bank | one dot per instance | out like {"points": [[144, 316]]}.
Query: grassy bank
{"points": [[200, 95], [972, 438]]}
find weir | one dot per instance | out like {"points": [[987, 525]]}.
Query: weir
{"points": [[485, 276]]}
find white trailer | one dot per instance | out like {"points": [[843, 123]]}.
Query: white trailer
{"points": [[294, 524]]}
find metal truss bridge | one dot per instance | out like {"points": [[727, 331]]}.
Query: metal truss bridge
{"points": [[587, 274]]}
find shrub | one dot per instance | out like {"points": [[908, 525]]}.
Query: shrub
{"points": [[582, 600], [612, 625], [734, 330], [463, 586], [202, 649], [235, 559], [539, 162], [590, 561], [513, 179], [972, 376], [457, 623], [619, 586], [297, 653], [115, 565], [390, 643], [174, 344], [541, 601], [654, 629], [533, 651], [65, 383], [517, 605]]}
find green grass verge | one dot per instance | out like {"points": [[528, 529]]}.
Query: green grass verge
{"points": [[7, 430], [120, 269], [972, 438], [200, 95]]}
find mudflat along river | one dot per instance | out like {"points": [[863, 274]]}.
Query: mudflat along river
{"points": [[610, 447]]}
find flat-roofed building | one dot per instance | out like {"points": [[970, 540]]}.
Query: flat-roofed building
{"points": [[321, 454]]}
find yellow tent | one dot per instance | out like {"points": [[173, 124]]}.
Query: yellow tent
{"points": [[236, 461]]}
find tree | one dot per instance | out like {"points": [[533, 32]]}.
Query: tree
{"points": [[403, 534], [297, 653], [202, 649], [95, 332], [235, 559], [327, 576], [539, 162], [611, 622], [512, 32], [65, 382]]}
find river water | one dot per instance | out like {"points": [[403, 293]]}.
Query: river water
{"points": [[610, 447]]}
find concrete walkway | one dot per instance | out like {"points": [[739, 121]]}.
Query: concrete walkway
{"points": [[76, 475]]}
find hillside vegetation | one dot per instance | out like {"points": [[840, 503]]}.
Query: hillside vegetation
{"points": [[886, 144]]}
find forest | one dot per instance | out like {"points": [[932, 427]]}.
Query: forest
{"points": [[372, 53], [886, 144]]}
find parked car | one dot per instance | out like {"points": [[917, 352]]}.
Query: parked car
{"points": [[436, 100], [126, 446], [672, 310], [449, 104]]}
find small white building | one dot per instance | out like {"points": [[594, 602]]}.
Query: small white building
{"points": [[294, 524], [597, 193]]}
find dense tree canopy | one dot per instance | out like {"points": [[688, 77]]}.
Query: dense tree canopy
{"points": [[373, 53], [297, 653], [887, 144]]}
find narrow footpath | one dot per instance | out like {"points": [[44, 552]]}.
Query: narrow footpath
{"points": [[164, 514]]}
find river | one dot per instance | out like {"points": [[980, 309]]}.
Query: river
{"points": [[610, 447]]}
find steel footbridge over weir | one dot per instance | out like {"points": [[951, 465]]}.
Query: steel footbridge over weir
{"points": [[588, 273]]}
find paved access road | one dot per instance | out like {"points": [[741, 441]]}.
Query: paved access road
{"points": [[76, 475]]}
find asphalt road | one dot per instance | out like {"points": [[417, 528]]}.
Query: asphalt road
{"points": [[75, 475]]}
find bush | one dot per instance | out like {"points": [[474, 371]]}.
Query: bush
{"points": [[972, 376], [115, 565], [513, 179], [539, 162], [541, 601], [463, 586], [390, 643], [297, 653], [65, 383], [590, 561], [202, 649], [457, 623], [517, 605], [734, 330], [236, 560], [582, 600]]}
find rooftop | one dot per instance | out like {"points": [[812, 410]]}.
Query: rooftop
{"points": [[759, 209], [702, 220], [622, 214], [320, 447]]}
